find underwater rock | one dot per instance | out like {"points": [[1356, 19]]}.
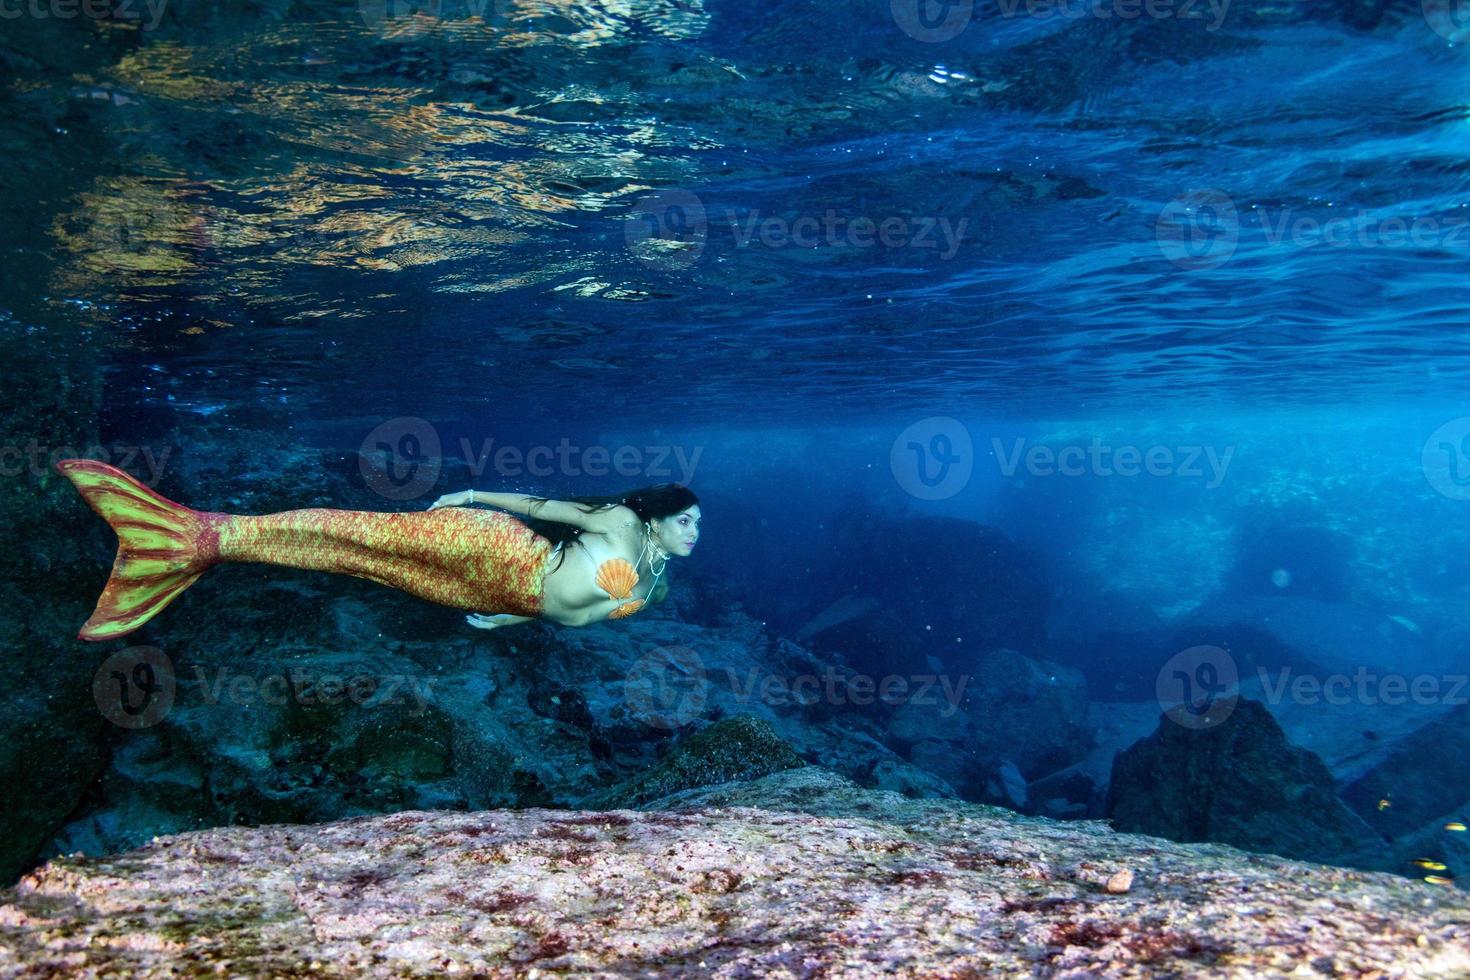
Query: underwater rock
{"points": [[1426, 774], [823, 879], [844, 610], [1289, 558], [1028, 711], [1334, 637], [899, 777], [1439, 849], [993, 593], [1070, 792], [1007, 710], [303, 735], [53, 741], [739, 748], [1239, 782], [877, 643], [533, 716], [1009, 785], [46, 764]]}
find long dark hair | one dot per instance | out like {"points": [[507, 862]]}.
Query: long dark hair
{"points": [[649, 503]]}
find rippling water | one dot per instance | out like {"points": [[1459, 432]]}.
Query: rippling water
{"points": [[707, 207]]}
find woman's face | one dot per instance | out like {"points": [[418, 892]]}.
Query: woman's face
{"points": [[678, 533]]}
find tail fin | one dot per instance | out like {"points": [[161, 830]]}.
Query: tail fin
{"points": [[162, 547]]}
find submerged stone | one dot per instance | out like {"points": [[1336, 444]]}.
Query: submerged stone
{"points": [[1239, 782], [823, 879], [739, 748]]}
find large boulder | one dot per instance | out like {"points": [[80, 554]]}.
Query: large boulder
{"points": [[992, 592], [1309, 633], [1010, 718], [1287, 557], [1238, 782], [799, 873], [1029, 712], [1423, 777], [741, 748]]}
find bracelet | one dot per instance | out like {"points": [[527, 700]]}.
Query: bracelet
{"points": [[472, 496]]}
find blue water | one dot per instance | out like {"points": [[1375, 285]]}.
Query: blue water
{"points": [[1093, 337], [427, 210]]}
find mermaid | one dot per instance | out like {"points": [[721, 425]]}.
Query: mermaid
{"points": [[572, 562]]}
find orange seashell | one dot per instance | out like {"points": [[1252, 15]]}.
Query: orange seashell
{"points": [[616, 577], [626, 609]]}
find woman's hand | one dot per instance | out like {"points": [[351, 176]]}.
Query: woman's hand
{"points": [[463, 499], [490, 621]]}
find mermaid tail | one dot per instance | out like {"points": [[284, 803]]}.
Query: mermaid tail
{"points": [[468, 559]]}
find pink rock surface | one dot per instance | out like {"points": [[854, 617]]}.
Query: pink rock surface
{"points": [[861, 883]]}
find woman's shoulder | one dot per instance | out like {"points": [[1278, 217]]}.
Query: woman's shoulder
{"points": [[617, 520]]}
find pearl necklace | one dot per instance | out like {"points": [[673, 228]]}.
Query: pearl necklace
{"points": [[647, 544]]}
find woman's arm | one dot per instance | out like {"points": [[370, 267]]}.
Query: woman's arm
{"points": [[601, 520]]}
